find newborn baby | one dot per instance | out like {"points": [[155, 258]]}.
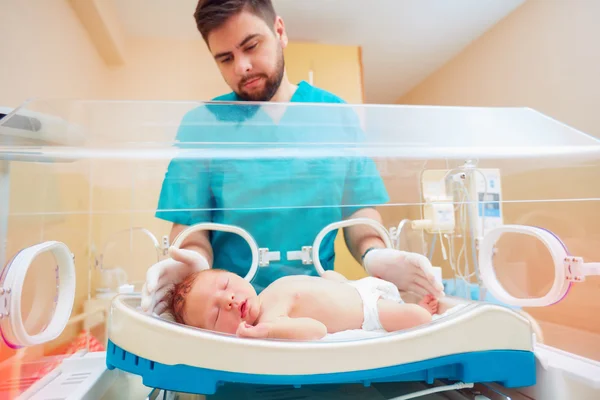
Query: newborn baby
{"points": [[294, 307]]}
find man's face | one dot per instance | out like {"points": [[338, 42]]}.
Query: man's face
{"points": [[249, 55]]}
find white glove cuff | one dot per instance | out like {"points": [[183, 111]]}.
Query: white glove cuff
{"points": [[367, 255]]}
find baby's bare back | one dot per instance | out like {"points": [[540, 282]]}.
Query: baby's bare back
{"points": [[335, 304]]}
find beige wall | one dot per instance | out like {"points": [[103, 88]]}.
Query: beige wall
{"points": [[46, 52], [51, 54], [336, 68], [542, 56], [166, 70], [184, 70]]}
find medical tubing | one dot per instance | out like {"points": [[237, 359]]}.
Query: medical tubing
{"points": [[432, 249], [473, 227], [473, 245], [446, 388], [111, 240], [485, 185], [399, 230], [463, 252]]}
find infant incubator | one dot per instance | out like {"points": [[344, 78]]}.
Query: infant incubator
{"points": [[503, 201]]}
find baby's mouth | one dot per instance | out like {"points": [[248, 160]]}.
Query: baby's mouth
{"points": [[243, 308]]}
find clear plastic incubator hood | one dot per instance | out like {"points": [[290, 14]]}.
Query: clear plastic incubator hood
{"points": [[503, 201]]}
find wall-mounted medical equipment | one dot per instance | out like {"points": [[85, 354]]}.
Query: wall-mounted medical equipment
{"points": [[460, 205]]}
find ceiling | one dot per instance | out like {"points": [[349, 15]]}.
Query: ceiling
{"points": [[403, 41]]}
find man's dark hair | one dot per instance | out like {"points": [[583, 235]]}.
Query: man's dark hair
{"points": [[211, 14]]}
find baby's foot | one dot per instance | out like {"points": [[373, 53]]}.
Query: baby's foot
{"points": [[429, 303]]}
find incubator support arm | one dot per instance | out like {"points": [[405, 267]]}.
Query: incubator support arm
{"points": [[590, 269]]}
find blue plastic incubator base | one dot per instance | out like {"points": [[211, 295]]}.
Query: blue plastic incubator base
{"points": [[510, 368]]}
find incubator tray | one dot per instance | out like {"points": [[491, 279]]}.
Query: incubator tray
{"points": [[498, 348]]}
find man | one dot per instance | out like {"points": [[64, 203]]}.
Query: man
{"points": [[283, 203]]}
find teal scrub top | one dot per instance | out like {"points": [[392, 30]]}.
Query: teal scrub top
{"points": [[282, 202]]}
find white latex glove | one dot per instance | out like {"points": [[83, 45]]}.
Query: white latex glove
{"points": [[410, 272], [162, 277]]}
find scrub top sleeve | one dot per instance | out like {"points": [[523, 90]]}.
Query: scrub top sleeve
{"points": [[364, 186], [185, 196]]}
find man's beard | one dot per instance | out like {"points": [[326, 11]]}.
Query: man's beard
{"points": [[272, 83]]}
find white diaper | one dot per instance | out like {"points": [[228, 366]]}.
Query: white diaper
{"points": [[372, 289]]}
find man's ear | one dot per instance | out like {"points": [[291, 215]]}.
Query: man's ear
{"points": [[280, 31]]}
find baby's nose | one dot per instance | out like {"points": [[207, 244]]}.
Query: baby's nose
{"points": [[229, 301]]}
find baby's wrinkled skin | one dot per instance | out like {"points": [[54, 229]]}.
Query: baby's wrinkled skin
{"points": [[295, 307]]}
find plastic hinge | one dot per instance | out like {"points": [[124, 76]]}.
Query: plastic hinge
{"points": [[4, 302], [573, 269], [305, 255], [265, 257]]}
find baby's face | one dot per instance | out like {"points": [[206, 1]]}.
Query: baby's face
{"points": [[220, 300]]}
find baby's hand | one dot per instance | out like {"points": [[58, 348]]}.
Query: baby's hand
{"points": [[260, 331]]}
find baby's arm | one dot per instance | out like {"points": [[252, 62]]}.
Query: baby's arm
{"points": [[284, 328], [334, 276]]}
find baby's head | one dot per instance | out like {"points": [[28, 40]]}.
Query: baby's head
{"points": [[215, 299]]}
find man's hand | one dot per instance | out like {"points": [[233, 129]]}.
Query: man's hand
{"points": [[410, 272], [162, 277]]}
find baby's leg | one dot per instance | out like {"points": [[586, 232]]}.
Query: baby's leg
{"points": [[397, 316]]}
